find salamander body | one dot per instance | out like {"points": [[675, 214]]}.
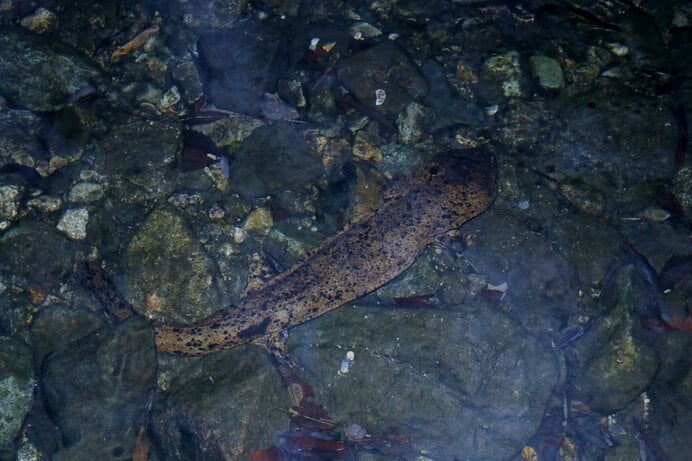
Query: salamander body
{"points": [[454, 188]]}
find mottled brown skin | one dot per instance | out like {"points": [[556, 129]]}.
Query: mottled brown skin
{"points": [[454, 188]]}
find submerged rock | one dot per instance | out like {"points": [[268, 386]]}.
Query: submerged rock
{"points": [[383, 67], [243, 64], [137, 156], [16, 390], [614, 362], [37, 253], [39, 73], [220, 407], [453, 398], [168, 275], [613, 153], [59, 326], [19, 140], [97, 389], [272, 159], [548, 72]]}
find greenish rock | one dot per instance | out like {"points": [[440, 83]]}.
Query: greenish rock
{"points": [[41, 21], [414, 122], [258, 220], [230, 131], [614, 362], [373, 69], [59, 326], [324, 100], [446, 378], [97, 389], [19, 136], [10, 197], [84, 192], [168, 275], [16, 390], [273, 158], [222, 406], [548, 72], [37, 253], [137, 156], [38, 73], [501, 77]]}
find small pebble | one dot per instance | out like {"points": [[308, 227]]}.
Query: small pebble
{"points": [[380, 96], [45, 203], [85, 192], [41, 21], [74, 223], [346, 362], [10, 197]]}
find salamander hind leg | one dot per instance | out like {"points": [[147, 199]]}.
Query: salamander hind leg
{"points": [[276, 346]]}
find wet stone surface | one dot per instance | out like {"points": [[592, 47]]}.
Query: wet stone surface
{"points": [[614, 149], [281, 146], [616, 362], [16, 390], [383, 67], [40, 75], [229, 404], [169, 277], [239, 79], [97, 388], [406, 375], [23, 250], [137, 156]]}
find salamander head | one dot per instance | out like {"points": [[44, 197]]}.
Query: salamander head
{"points": [[463, 182]]}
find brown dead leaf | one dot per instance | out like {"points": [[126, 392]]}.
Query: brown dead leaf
{"points": [[141, 449], [135, 43]]}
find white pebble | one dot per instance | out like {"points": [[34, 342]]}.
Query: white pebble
{"points": [[380, 96], [74, 223]]}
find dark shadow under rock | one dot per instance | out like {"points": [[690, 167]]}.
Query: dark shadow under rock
{"points": [[97, 389], [480, 395], [220, 406]]}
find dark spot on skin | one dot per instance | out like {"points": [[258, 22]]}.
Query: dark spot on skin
{"points": [[211, 346], [254, 330]]}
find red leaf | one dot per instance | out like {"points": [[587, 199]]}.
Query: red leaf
{"points": [[417, 301], [270, 454], [679, 322]]}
